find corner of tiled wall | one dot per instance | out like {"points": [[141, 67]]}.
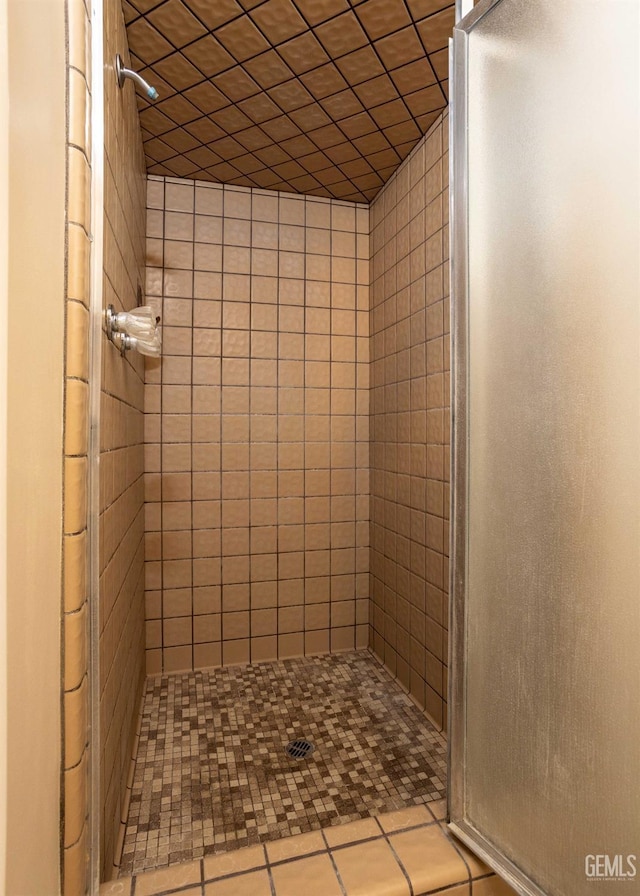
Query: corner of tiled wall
{"points": [[121, 552], [410, 422], [256, 426], [74, 822]]}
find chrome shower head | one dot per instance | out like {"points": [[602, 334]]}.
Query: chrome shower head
{"points": [[123, 73]]}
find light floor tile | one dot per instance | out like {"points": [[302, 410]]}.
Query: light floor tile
{"points": [[231, 862], [476, 866], [120, 887], [492, 886], [301, 845], [429, 858], [439, 809], [405, 818], [313, 876], [370, 869], [350, 833], [171, 878], [255, 883]]}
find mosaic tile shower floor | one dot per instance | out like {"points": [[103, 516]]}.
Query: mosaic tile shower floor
{"points": [[212, 775]]}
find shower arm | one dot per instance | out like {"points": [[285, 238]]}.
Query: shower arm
{"points": [[123, 73]]}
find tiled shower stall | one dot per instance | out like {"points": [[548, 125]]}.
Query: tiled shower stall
{"points": [[286, 362], [258, 429], [226, 634], [277, 484]]}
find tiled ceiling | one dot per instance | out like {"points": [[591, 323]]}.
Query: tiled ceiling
{"points": [[324, 97]]}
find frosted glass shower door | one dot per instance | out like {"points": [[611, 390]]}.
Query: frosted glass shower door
{"points": [[545, 731]]}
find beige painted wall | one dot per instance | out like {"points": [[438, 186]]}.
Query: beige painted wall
{"points": [[34, 452], [4, 293]]}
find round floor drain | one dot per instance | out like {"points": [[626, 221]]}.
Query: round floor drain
{"points": [[299, 749]]}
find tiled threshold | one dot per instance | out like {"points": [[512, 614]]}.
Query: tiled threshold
{"points": [[404, 853]]}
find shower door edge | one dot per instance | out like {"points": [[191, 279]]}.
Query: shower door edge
{"points": [[458, 498], [483, 848], [457, 822]]}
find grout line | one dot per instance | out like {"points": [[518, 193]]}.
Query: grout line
{"points": [[272, 885], [160, 435], [453, 843], [191, 423], [279, 415], [335, 867], [250, 417], [396, 857], [485, 876]]}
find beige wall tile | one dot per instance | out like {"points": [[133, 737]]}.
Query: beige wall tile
{"points": [[316, 642], [76, 431], [75, 497], [207, 655], [79, 32], [153, 662], [178, 659], [75, 801], [238, 424], [264, 648], [78, 281], [234, 652], [409, 422], [78, 99], [77, 341], [75, 571], [75, 637], [79, 200], [75, 866], [76, 721], [492, 886]]}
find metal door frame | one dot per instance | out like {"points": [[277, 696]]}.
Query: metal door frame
{"points": [[459, 269]]}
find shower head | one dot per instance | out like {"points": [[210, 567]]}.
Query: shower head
{"points": [[123, 73]]}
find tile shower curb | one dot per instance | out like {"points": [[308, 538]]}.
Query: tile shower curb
{"points": [[408, 852]]}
